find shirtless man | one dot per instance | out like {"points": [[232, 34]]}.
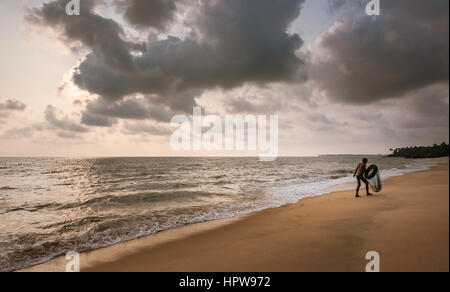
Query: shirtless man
{"points": [[359, 174]]}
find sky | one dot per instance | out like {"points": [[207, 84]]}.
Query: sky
{"points": [[108, 82]]}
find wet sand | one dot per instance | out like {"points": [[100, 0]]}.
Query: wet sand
{"points": [[407, 224]]}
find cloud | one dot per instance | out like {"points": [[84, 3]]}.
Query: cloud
{"points": [[334, 5], [59, 121], [103, 36], [149, 13], [55, 122], [137, 128], [260, 103], [67, 135], [323, 121], [22, 132], [245, 105], [90, 119], [364, 59], [427, 108], [131, 108], [243, 41], [12, 105], [230, 45]]}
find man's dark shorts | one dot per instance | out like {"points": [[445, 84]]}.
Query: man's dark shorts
{"points": [[361, 177]]}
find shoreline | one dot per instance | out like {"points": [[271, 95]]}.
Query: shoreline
{"points": [[166, 254]]}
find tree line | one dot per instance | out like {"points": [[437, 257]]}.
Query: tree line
{"points": [[422, 151]]}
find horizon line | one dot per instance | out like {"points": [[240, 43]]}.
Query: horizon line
{"points": [[192, 156]]}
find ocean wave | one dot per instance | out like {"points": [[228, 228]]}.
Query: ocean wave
{"points": [[53, 172], [338, 176], [139, 198], [73, 225], [341, 171], [31, 209], [7, 188]]}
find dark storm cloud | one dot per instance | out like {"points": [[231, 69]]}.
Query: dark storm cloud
{"points": [[246, 41], [59, 121], [433, 12], [128, 109], [238, 46], [12, 105], [365, 59], [132, 109], [148, 13], [103, 36], [90, 119], [97, 77], [233, 42]]}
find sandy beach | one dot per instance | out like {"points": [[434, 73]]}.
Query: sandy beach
{"points": [[407, 224]]}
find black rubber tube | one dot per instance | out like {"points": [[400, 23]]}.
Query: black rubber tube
{"points": [[371, 172]]}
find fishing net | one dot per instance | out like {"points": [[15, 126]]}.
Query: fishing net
{"points": [[373, 177]]}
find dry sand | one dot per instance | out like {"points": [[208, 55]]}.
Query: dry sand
{"points": [[407, 224]]}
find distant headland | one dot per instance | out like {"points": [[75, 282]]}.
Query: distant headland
{"points": [[434, 151]]}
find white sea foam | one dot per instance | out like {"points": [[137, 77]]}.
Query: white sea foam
{"points": [[292, 191], [277, 194]]}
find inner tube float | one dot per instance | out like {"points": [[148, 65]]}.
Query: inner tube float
{"points": [[371, 172]]}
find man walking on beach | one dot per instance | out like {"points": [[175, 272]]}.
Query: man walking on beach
{"points": [[359, 174]]}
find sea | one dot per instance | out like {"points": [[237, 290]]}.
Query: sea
{"points": [[50, 206]]}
